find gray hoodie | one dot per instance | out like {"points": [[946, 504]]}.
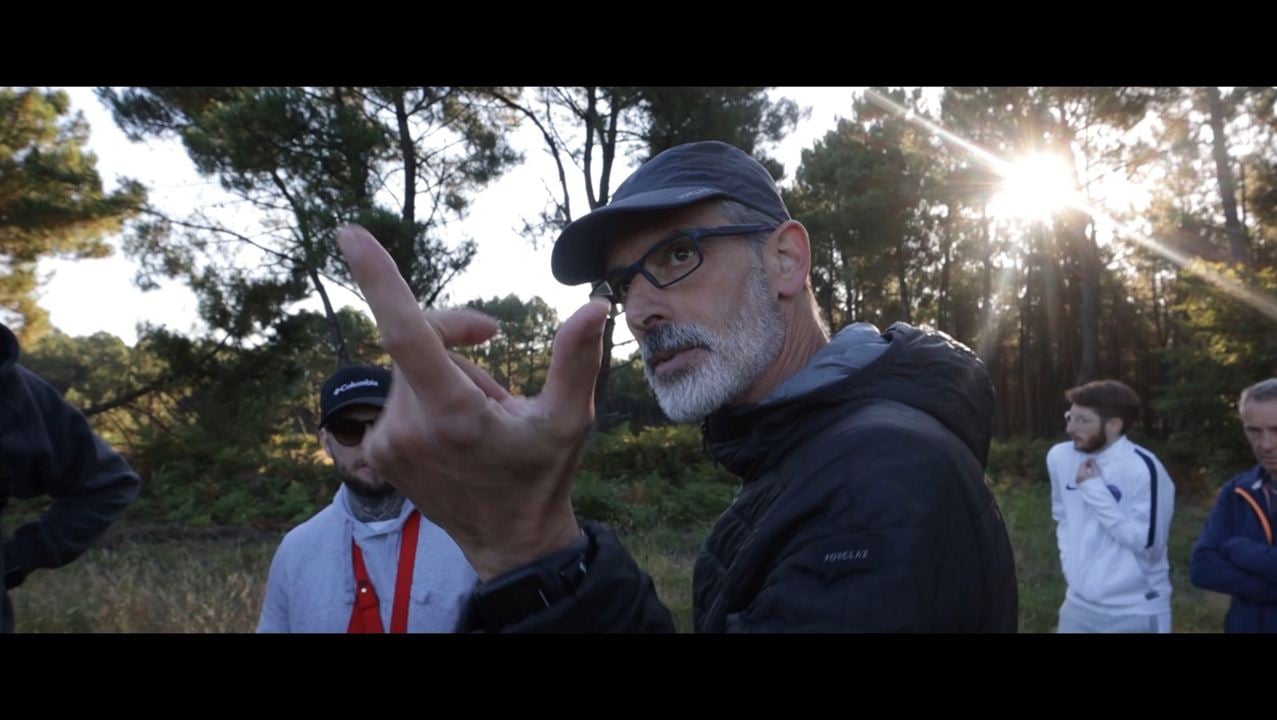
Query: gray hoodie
{"points": [[311, 587]]}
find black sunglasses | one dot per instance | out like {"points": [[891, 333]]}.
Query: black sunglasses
{"points": [[348, 431]]}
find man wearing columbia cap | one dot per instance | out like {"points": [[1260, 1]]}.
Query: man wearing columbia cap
{"points": [[368, 562], [862, 505]]}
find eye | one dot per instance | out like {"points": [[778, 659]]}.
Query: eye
{"points": [[680, 252]]}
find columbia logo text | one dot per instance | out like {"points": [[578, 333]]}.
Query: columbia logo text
{"points": [[351, 385]]}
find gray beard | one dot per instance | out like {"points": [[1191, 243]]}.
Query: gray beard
{"points": [[737, 356]]}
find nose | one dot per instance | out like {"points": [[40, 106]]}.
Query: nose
{"points": [[645, 306]]}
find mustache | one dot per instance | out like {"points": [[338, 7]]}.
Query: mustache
{"points": [[668, 338]]}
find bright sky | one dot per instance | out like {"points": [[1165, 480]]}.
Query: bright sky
{"points": [[87, 296]]}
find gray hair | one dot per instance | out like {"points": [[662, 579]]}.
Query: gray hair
{"points": [[739, 214], [1260, 391]]}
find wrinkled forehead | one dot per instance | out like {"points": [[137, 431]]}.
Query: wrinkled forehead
{"points": [[1260, 413]]}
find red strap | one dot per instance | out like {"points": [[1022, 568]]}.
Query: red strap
{"points": [[365, 617], [403, 581]]}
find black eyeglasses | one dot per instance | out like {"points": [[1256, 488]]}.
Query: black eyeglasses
{"points": [[670, 260], [348, 431]]}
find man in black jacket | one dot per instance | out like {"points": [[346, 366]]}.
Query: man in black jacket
{"points": [[48, 449], [862, 507]]}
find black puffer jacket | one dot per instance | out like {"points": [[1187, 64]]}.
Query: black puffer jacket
{"points": [[863, 506]]}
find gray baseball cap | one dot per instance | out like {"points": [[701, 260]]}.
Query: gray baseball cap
{"points": [[681, 176]]}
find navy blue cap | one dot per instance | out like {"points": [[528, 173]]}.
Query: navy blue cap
{"points": [[353, 385], [678, 177]]}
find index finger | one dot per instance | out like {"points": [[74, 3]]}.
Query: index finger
{"points": [[406, 334]]}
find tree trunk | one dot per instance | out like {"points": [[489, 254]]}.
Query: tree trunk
{"points": [[1089, 260], [901, 267], [334, 330], [988, 334], [409, 151], [1025, 381], [946, 243], [1224, 172], [605, 370]]}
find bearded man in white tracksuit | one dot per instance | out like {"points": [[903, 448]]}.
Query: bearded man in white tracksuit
{"points": [[1112, 502]]}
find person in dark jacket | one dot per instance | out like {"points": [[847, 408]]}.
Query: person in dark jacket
{"points": [[1235, 554], [862, 506], [48, 449]]}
